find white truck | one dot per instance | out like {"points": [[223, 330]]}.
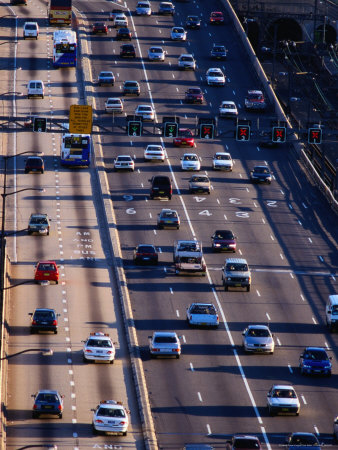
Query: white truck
{"points": [[188, 257]]}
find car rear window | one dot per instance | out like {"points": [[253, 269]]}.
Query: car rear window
{"points": [[246, 443], [98, 343], [226, 234], [107, 412], [161, 181], [203, 309], [165, 340], [146, 249], [44, 315]]}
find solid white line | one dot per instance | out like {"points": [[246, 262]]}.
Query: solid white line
{"points": [[265, 438]]}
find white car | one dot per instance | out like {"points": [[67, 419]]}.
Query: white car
{"points": [[178, 34], [202, 314], [124, 162], [228, 109], [156, 54], [120, 21], [110, 417], [190, 161], [31, 30], [164, 343], [222, 161], [283, 399], [186, 62], [154, 152], [145, 111], [215, 77], [114, 105], [99, 348], [258, 339], [143, 8]]}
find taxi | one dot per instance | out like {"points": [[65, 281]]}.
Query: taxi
{"points": [[99, 348]]}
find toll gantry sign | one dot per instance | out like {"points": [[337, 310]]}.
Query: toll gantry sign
{"points": [[80, 119]]}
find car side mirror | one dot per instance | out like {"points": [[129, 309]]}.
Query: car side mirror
{"points": [[330, 358], [329, 311], [243, 334], [62, 396], [92, 409], [30, 314], [33, 395], [301, 356], [269, 395]]}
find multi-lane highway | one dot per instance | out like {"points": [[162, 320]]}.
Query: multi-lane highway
{"points": [[285, 231]]}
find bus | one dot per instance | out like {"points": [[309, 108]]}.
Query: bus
{"points": [[75, 150], [60, 12], [64, 48]]}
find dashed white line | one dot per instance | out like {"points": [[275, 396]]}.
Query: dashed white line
{"points": [[300, 223], [177, 313], [258, 293], [199, 396], [278, 342], [290, 206], [208, 428], [314, 320], [267, 315], [281, 256], [272, 238], [290, 368], [171, 290], [191, 367], [303, 398], [310, 240]]}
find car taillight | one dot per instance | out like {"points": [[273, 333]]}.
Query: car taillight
{"points": [[109, 352], [98, 421], [155, 349], [34, 322], [176, 350], [123, 422], [55, 322], [88, 350], [138, 254], [59, 407], [35, 406]]}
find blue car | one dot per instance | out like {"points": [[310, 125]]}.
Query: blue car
{"points": [[315, 361], [302, 441]]}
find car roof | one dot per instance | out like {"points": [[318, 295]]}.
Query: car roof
{"points": [[230, 102], [124, 156], [222, 153], [44, 309], [142, 106], [283, 386], [236, 261], [46, 261], [259, 327], [189, 154], [315, 348], [164, 333], [168, 210], [114, 98], [146, 245], [202, 304], [48, 391], [186, 54], [130, 81]]}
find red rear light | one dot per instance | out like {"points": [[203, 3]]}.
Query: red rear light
{"points": [[123, 422], [109, 352], [34, 322], [88, 351], [59, 407], [35, 406], [98, 421], [55, 322], [176, 350]]}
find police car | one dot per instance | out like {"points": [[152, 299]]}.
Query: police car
{"points": [[110, 416], [99, 348]]}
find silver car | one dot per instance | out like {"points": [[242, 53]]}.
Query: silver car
{"points": [[258, 339], [143, 8], [156, 54], [178, 34], [222, 161], [164, 343], [283, 399], [202, 314], [200, 184], [186, 62]]}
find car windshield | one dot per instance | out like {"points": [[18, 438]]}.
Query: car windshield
{"points": [[106, 74], [156, 50], [190, 158], [187, 133], [189, 247], [258, 332], [47, 267], [246, 443], [284, 393], [237, 267], [130, 84], [34, 162], [201, 179], [203, 309], [30, 27], [146, 249], [255, 96], [335, 310], [228, 106], [49, 398], [99, 343], [224, 157], [123, 158], [111, 412], [186, 58], [226, 234], [44, 315], [194, 91], [215, 73], [218, 49], [261, 170], [303, 440], [39, 221], [153, 148], [169, 214], [316, 355], [165, 340]]}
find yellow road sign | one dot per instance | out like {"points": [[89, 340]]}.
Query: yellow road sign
{"points": [[80, 119]]}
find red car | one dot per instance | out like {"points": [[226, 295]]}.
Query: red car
{"points": [[185, 138], [99, 28], [46, 271], [216, 18]]}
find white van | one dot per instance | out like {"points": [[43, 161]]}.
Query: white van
{"points": [[36, 88], [331, 311], [31, 30]]}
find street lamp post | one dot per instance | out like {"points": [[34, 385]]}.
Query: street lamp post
{"points": [[43, 351]]}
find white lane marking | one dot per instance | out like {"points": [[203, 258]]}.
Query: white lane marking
{"points": [[177, 313], [191, 367], [263, 220], [282, 192], [171, 290], [321, 258], [303, 398], [208, 428], [302, 297], [316, 429], [165, 269], [272, 238], [290, 368], [255, 204], [159, 250], [155, 232], [314, 320], [267, 315], [326, 345], [278, 342], [150, 215], [281, 256], [199, 396], [266, 438], [225, 217], [218, 201], [290, 206], [304, 205], [183, 338], [310, 240], [240, 251], [258, 293], [300, 223], [291, 275]]}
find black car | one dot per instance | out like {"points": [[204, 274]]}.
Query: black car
{"points": [[145, 253], [34, 164], [218, 52], [44, 319], [160, 187], [47, 402], [123, 34], [193, 23], [127, 51], [194, 95], [223, 240], [260, 174], [131, 88]]}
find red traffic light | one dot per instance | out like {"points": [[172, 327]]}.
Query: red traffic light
{"points": [[314, 136], [278, 134], [242, 133]]}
